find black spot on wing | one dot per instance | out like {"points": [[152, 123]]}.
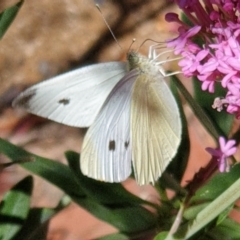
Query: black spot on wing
{"points": [[126, 144], [112, 145], [24, 100], [64, 101]]}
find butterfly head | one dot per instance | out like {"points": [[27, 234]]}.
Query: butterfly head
{"points": [[141, 63], [133, 60]]}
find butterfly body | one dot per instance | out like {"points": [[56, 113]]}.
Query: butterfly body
{"points": [[132, 114]]}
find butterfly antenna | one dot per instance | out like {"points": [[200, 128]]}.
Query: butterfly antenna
{"points": [[109, 28], [148, 39], [133, 41]]}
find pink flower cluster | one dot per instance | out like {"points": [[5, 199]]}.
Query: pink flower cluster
{"points": [[226, 149], [210, 49]]}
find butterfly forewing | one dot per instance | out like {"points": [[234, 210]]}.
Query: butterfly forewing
{"points": [[106, 151], [155, 127], [73, 98]]}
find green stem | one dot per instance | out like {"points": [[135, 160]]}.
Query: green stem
{"points": [[214, 209], [197, 110]]}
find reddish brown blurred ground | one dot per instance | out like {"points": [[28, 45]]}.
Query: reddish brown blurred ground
{"points": [[49, 37]]}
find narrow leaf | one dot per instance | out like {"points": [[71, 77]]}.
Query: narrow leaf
{"points": [[52, 171], [7, 17], [118, 236], [210, 212], [197, 110], [218, 184], [14, 208], [111, 202], [37, 223], [223, 120], [104, 192]]}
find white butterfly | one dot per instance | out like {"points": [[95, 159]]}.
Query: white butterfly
{"points": [[131, 112]]}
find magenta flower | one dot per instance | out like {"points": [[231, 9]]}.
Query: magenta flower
{"points": [[191, 62], [182, 41], [226, 149], [215, 60]]}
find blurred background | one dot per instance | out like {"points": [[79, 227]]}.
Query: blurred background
{"points": [[51, 37]]}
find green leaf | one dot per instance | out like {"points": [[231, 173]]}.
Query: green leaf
{"points": [[14, 208], [228, 228], [161, 236], [36, 226], [224, 214], [128, 217], [8, 16], [111, 203], [191, 212], [118, 236], [210, 212], [103, 192], [223, 121], [216, 189], [37, 223], [218, 184], [197, 110], [52, 171]]}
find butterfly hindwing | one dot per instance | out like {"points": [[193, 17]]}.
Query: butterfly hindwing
{"points": [[155, 127], [106, 151], [73, 98]]}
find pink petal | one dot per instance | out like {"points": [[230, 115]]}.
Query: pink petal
{"points": [[221, 165], [231, 151], [222, 142], [214, 152]]}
